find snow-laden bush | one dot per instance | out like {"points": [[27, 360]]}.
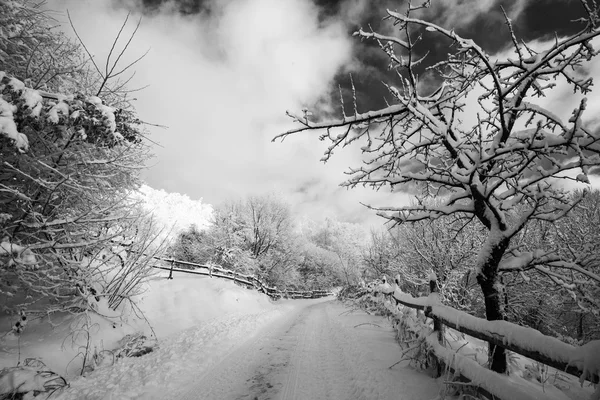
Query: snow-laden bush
{"points": [[32, 379], [69, 162]]}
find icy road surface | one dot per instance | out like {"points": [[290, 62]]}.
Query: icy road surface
{"points": [[301, 349]]}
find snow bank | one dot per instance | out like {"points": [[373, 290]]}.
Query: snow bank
{"points": [[171, 306], [180, 358], [587, 359], [498, 384], [180, 303]]}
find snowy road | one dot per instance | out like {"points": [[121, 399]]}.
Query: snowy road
{"points": [[314, 352], [295, 350]]}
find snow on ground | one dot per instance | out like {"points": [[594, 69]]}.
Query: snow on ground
{"points": [[221, 341], [185, 301], [170, 306], [179, 358], [296, 349], [541, 381]]}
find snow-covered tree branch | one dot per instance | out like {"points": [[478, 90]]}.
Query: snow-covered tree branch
{"points": [[510, 151], [70, 161]]}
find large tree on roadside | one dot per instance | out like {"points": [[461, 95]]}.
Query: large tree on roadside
{"points": [[512, 152]]}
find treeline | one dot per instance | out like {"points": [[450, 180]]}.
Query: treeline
{"points": [[258, 235]]}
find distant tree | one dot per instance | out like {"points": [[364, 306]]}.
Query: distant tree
{"points": [[253, 235], [446, 246], [268, 222], [347, 241], [382, 255], [192, 245], [227, 239], [513, 151], [174, 212], [319, 268]]}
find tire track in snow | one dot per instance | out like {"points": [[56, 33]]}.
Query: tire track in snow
{"points": [[315, 353]]}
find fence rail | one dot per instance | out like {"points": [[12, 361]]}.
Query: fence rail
{"points": [[248, 280], [522, 340]]}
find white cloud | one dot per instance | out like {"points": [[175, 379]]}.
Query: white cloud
{"points": [[221, 82], [455, 13]]}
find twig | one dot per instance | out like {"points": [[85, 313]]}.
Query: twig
{"points": [[367, 323], [393, 365]]}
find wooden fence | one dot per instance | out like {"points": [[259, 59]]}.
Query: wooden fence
{"points": [[247, 280], [525, 341]]}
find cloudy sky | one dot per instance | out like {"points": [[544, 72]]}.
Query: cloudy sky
{"points": [[222, 73]]}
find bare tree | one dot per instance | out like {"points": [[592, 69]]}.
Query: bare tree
{"points": [[513, 153], [346, 240], [269, 222]]}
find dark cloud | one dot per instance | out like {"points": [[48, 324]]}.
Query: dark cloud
{"points": [[480, 20], [184, 7], [541, 19]]}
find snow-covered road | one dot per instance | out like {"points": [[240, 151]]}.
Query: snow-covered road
{"points": [[299, 349], [314, 352]]}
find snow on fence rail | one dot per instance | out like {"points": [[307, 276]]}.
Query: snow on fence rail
{"points": [[582, 362], [248, 280]]}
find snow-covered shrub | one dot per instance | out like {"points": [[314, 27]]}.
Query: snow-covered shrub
{"points": [[69, 163], [411, 329], [135, 345], [352, 292], [32, 379]]}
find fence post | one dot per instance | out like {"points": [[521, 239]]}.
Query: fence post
{"points": [[210, 267], [437, 324], [171, 270], [438, 327]]}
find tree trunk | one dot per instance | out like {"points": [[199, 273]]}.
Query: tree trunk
{"points": [[580, 327], [493, 312], [491, 288]]}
